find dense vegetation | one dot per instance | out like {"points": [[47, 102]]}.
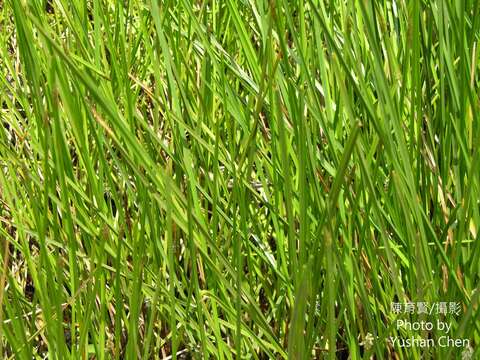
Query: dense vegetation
{"points": [[256, 179]]}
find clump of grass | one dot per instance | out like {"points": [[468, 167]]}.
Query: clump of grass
{"points": [[236, 179]]}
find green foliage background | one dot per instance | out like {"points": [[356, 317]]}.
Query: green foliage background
{"points": [[236, 179]]}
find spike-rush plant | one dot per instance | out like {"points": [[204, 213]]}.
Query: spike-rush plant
{"points": [[252, 179]]}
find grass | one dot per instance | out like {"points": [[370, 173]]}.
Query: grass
{"points": [[237, 179]]}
